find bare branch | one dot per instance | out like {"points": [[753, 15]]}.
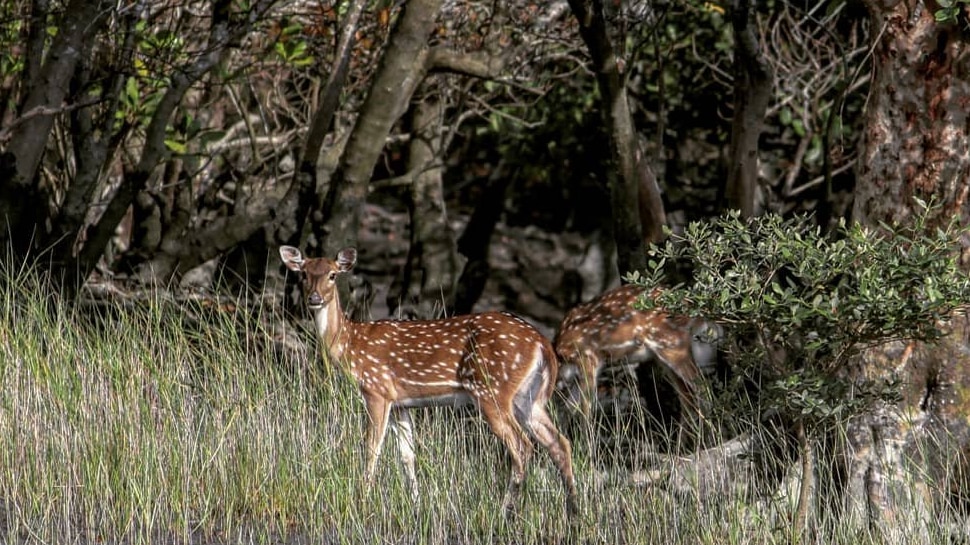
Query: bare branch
{"points": [[42, 110], [479, 64]]}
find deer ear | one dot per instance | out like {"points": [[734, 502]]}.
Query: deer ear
{"points": [[292, 258], [346, 259]]}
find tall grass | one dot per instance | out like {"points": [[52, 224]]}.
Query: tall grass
{"points": [[159, 422]]}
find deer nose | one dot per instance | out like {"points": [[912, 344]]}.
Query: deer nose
{"points": [[314, 300]]}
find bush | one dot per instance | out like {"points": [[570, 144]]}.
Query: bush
{"points": [[799, 305]]}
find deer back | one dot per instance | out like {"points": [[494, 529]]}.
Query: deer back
{"points": [[478, 354]]}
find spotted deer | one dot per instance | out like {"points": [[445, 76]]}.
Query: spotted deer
{"points": [[608, 330], [494, 360]]}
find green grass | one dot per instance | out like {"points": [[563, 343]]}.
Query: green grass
{"points": [[143, 423]]}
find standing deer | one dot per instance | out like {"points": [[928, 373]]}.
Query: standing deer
{"points": [[609, 330], [494, 360]]}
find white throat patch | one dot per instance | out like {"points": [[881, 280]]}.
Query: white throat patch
{"points": [[321, 319]]}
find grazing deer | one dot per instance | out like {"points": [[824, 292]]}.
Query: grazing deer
{"points": [[494, 360], [610, 330]]}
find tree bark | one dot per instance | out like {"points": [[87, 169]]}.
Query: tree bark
{"points": [[630, 173], [752, 91], [302, 194], [23, 204], [916, 139], [225, 31], [36, 38], [401, 69], [916, 134], [426, 286]]}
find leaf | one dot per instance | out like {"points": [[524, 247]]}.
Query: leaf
{"points": [[946, 15], [784, 116], [131, 91], [175, 146]]}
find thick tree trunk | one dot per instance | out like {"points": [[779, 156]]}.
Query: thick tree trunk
{"points": [[402, 68], [632, 181], [917, 136], [916, 141]]}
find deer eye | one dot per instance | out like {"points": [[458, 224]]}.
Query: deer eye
{"points": [[333, 276]]}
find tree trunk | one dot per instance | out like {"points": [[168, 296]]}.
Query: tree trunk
{"points": [[752, 91], [916, 135], [915, 145], [402, 68], [426, 286], [301, 197], [94, 141], [23, 204], [36, 38], [630, 172], [477, 237]]}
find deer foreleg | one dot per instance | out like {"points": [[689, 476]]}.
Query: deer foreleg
{"points": [[683, 375], [378, 410]]}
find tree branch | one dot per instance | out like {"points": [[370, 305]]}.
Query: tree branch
{"points": [[479, 64], [298, 201]]}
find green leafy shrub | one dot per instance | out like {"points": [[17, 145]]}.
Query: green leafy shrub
{"points": [[798, 305]]}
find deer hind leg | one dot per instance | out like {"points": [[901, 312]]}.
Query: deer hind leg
{"points": [[531, 414], [404, 432], [590, 365], [546, 434], [505, 427]]}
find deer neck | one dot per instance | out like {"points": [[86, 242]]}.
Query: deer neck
{"points": [[333, 328]]}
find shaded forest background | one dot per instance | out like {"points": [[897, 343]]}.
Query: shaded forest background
{"points": [[189, 134], [522, 150]]}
